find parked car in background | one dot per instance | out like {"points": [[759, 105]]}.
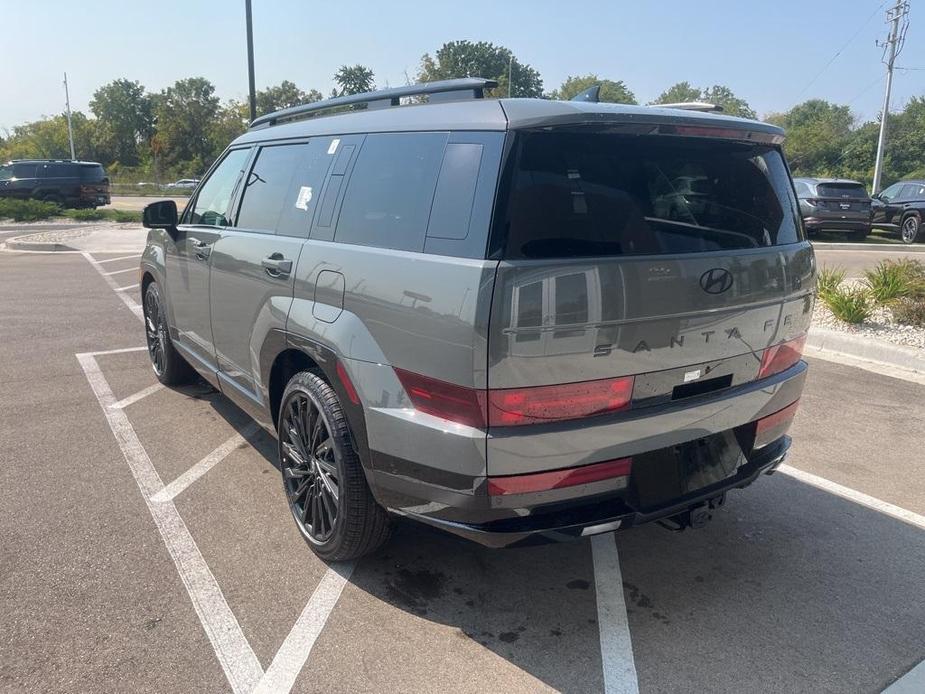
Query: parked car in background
{"points": [[899, 208], [513, 319], [188, 183], [61, 181], [834, 204]]}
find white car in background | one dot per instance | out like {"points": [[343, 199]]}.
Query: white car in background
{"points": [[184, 183]]}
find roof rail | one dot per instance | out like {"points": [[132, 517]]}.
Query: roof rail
{"points": [[444, 90], [691, 106]]}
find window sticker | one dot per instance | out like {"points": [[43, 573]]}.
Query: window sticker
{"points": [[305, 197], [333, 146]]}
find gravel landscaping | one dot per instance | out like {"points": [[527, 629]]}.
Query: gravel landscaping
{"points": [[880, 326]]}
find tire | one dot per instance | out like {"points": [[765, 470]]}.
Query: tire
{"points": [[323, 478], [55, 198], [858, 236], [910, 229], [169, 367]]}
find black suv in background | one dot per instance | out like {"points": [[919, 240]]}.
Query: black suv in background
{"points": [[834, 204], [899, 208], [65, 182]]}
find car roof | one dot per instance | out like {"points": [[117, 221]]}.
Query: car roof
{"points": [[498, 115], [54, 161]]}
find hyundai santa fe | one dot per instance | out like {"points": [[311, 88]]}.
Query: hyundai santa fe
{"points": [[518, 320]]}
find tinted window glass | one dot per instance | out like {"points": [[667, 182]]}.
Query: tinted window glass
{"points": [[908, 192], [449, 218], [577, 194], [92, 173], [891, 192], [267, 187], [215, 195], [24, 170], [388, 199], [842, 190]]}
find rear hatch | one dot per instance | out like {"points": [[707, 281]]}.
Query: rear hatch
{"points": [[94, 183], [841, 200], [674, 260]]}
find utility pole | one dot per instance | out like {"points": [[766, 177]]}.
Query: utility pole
{"points": [[67, 111], [510, 72], [894, 43], [252, 93]]}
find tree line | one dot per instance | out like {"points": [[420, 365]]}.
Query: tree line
{"points": [[179, 131]]}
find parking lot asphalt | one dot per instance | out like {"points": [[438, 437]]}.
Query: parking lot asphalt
{"points": [[856, 261], [145, 545]]}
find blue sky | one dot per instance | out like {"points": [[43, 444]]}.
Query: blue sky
{"points": [[767, 52]]}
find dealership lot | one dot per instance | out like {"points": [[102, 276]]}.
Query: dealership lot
{"points": [[145, 543]]}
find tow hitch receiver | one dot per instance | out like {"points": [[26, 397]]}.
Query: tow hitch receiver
{"points": [[695, 517]]}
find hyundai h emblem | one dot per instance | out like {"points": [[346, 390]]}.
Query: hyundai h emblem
{"points": [[716, 281]]}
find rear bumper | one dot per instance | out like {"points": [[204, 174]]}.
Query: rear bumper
{"points": [[604, 515], [836, 224]]}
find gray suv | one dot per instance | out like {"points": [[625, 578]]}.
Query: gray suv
{"points": [[513, 319]]}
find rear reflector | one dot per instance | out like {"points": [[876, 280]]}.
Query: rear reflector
{"points": [[446, 400], [781, 357], [347, 383], [556, 479], [772, 427], [516, 406]]}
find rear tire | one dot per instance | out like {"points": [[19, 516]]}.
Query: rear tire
{"points": [[169, 367], [859, 236], [910, 229], [323, 477]]}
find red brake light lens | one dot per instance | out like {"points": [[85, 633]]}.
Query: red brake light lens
{"points": [[446, 400], [347, 383], [556, 479], [772, 427], [516, 406], [781, 357]]}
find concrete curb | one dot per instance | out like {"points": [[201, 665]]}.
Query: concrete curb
{"points": [[881, 247], [878, 351]]}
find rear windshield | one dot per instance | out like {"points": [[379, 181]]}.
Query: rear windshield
{"points": [[580, 194], [841, 190]]}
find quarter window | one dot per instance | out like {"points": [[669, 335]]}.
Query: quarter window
{"points": [[388, 199], [214, 199]]}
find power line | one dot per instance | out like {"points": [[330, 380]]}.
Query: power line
{"points": [[839, 51]]}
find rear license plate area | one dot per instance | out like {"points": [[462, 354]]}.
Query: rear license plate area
{"points": [[667, 475]]}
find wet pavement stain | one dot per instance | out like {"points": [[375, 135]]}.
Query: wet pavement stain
{"points": [[414, 589], [508, 636]]}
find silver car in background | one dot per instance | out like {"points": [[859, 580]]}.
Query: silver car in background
{"points": [[517, 320]]}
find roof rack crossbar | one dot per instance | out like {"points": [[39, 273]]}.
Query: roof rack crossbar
{"points": [[467, 87], [691, 106]]}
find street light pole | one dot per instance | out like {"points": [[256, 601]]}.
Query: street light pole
{"points": [[252, 93], [67, 111]]}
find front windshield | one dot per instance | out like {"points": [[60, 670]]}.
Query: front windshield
{"points": [[6, 172]]}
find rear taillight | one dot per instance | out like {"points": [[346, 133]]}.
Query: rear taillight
{"points": [[769, 429], [781, 357], [516, 406], [446, 400], [556, 479]]}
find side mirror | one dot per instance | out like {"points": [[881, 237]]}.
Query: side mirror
{"points": [[160, 215], [876, 196]]}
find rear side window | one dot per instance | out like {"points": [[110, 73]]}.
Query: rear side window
{"points": [[842, 190], [267, 187], [388, 199], [92, 174], [584, 194]]}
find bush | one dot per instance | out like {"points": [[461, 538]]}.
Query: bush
{"points": [[851, 304], [89, 215], [910, 311], [125, 216], [829, 280], [896, 279], [27, 210]]}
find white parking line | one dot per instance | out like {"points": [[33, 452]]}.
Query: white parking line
{"points": [[857, 497], [913, 682], [125, 402], [123, 257], [126, 299], [131, 286], [616, 644], [291, 657], [203, 466], [234, 653], [120, 272]]}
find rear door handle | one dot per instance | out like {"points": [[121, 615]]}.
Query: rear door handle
{"points": [[201, 248], [276, 265]]}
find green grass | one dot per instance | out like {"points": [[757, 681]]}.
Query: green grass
{"points": [[850, 304], [90, 215], [896, 279], [829, 280]]}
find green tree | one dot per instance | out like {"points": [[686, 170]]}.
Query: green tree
{"points": [[481, 59], [611, 92], [818, 134], [284, 95], [47, 139], [718, 94], [231, 120], [125, 118], [678, 94], [185, 118], [353, 79]]}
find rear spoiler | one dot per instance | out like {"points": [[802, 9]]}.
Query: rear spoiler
{"points": [[691, 106]]}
